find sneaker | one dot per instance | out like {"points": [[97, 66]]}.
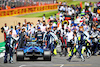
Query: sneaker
{"points": [[10, 61], [74, 56], [53, 55], [68, 60], [90, 54], [60, 55], [99, 54], [5, 61], [83, 60], [94, 55], [87, 57], [79, 57]]}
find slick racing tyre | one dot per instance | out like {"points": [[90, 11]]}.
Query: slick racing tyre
{"points": [[47, 55], [19, 55]]}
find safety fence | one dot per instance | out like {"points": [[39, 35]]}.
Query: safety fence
{"points": [[2, 47], [25, 10]]}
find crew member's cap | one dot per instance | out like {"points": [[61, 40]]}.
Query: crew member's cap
{"points": [[5, 24], [39, 28], [11, 26], [75, 24], [54, 25]]}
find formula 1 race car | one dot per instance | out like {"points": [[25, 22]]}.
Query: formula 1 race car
{"points": [[33, 51]]}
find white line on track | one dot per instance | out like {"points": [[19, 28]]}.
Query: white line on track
{"points": [[2, 47], [2, 54], [22, 65], [62, 65]]}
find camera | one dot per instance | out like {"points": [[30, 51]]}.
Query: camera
{"points": [[2, 29]]}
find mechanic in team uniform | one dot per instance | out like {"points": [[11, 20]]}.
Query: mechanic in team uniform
{"points": [[22, 38], [63, 40], [81, 42], [73, 50], [50, 38], [9, 48], [93, 37], [98, 28], [39, 37]]}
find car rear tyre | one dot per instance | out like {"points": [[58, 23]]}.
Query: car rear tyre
{"points": [[47, 55], [19, 55]]}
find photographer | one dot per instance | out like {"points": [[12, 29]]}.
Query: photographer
{"points": [[93, 38], [5, 30]]}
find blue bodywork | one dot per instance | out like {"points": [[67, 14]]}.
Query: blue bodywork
{"points": [[32, 48]]}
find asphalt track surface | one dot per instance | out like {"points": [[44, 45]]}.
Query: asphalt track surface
{"points": [[56, 61]]}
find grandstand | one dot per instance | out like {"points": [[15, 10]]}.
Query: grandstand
{"points": [[24, 3]]}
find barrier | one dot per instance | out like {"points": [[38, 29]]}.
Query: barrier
{"points": [[2, 47], [25, 10]]}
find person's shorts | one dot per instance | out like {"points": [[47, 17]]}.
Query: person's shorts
{"points": [[69, 44], [64, 11]]}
